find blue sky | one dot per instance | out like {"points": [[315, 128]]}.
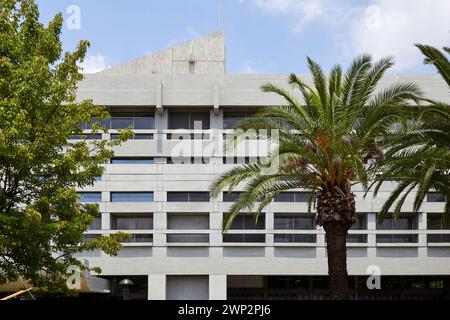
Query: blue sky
{"points": [[263, 36]]}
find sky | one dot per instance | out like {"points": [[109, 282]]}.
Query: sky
{"points": [[262, 36]]}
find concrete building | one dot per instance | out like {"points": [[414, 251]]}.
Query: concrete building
{"points": [[178, 250]]}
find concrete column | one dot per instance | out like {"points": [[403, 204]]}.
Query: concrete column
{"points": [[422, 238], [159, 237], [217, 287], [156, 287], [269, 216], [106, 220], [371, 238], [216, 226]]}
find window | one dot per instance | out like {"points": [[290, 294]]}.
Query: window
{"points": [[96, 224], [131, 196], [189, 120], [135, 120], [246, 222], [136, 136], [292, 197], [139, 238], [436, 221], [89, 197], [187, 196], [231, 196], [360, 225], [232, 119], [402, 223], [90, 237], [132, 221], [294, 222], [436, 197], [132, 161], [188, 136], [191, 160], [96, 136], [187, 221]]}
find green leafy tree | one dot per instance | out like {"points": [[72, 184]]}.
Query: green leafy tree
{"points": [[326, 142], [41, 222], [419, 155]]}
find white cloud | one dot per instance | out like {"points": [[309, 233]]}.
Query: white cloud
{"points": [[392, 28], [385, 27], [94, 63]]}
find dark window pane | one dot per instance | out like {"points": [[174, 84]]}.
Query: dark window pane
{"points": [[303, 223], [132, 196], [132, 161], [435, 197], [96, 224], [238, 222], [144, 122], [143, 197], [198, 197], [121, 123], [185, 238], [86, 136], [283, 238], [177, 196], [361, 224], [357, 238], [285, 197], [90, 197], [384, 238], [386, 224], [283, 222], [233, 238], [254, 238], [251, 224], [178, 120], [140, 238], [304, 238], [301, 196], [199, 120], [138, 136], [434, 222], [404, 238]]}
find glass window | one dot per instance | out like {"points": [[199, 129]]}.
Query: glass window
{"points": [[435, 197], [295, 238], [285, 197], [89, 197], [357, 238], [136, 136], [292, 197], [131, 196], [247, 222], [122, 121], [177, 196], [178, 120], [142, 122], [231, 196], [132, 161], [132, 222], [198, 196], [140, 238], [361, 224], [192, 160], [97, 136], [187, 221], [96, 224], [187, 196], [189, 120], [251, 238], [188, 238]]}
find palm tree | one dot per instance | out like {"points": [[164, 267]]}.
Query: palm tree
{"points": [[326, 142], [419, 157]]}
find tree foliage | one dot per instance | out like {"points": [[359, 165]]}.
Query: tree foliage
{"points": [[41, 222]]}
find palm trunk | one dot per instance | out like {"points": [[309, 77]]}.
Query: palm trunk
{"points": [[337, 259]]}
